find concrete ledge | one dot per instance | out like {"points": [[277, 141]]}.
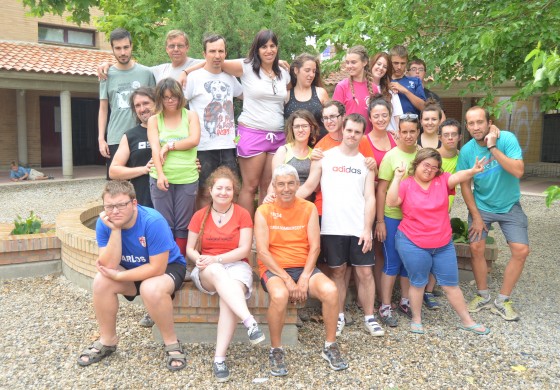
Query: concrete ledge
{"points": [[206, 333], [30, 270]]}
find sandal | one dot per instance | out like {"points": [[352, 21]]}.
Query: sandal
{"points": [[474, 329], [416, 328], [175, 357], [95, 353]]}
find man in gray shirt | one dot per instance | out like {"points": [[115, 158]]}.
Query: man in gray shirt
{"points": [[123, 78]]}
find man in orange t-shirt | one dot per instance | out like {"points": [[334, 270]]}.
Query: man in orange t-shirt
{"points": [[287, 235]]}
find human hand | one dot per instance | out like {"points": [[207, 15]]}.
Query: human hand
{"points": [[495, 130], [106, 220], [380, 231], [204, 261], [396, 87], [316, 154], [285, 65], [182, 79], [400, 171], [367, 240], [110, 273], [477, 226], [371, 164], [269, 198], [103, 70], [149, 166], [162, 182], [198, 165], [302, 289], [491, 139], [478, 165], [104, 149]]}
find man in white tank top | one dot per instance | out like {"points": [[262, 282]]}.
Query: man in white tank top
{"points": [[348, 214]]}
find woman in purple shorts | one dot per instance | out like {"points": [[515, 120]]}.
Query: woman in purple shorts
{"points": [[261, 123]]}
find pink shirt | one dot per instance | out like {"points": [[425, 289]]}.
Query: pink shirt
{"points": [[357, 104], [379, 154], [425, 212]]}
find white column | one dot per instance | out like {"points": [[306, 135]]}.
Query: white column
{"points": [[66, 136], [21, 115]]}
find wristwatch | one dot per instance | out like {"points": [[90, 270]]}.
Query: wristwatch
{"points": [[220, 260]]}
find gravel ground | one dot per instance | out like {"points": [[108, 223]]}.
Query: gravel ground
{"points": [[47, 321]]}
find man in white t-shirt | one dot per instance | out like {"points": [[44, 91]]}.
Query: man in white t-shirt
{"points": [[210, 93], [348, 192]]}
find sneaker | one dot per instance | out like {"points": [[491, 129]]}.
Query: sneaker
{"points": [[221, 371], [386, 316], [505, 310], [332, 355], [340, 326], [438, 292], [405, 309], [146, 321], [430, 301], [478, 303], [374, 328], [255, 334], [277, 363]]}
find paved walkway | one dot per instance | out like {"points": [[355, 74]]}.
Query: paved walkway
{"points": [[531, 185]]}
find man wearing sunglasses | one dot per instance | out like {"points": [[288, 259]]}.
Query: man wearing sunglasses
{"points": [[137, 256]]}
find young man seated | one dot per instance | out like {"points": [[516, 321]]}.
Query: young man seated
{"points": [[137, 256]]}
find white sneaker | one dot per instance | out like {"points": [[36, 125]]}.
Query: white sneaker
{"points": [[374, 328], [340, 326]]}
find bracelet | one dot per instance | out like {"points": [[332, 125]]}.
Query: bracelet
{"points": [[380, 221], [491, 147], [187, 73]]}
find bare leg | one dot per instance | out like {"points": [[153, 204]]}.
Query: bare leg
{"points": [[431, 284], [387, 284], [322, 288], [457, 301], [252, 169], [479, 267], [338, 276], [405, 285], [366, 288], [276, 315], [266, 177], [416, 295], [227, 323], [156, 294], [519, 253], [378, 267]]}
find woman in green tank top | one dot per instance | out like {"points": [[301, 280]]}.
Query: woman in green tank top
{"points": [[174, 134]]}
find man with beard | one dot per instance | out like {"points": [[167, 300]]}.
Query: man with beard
{"points": [[123, 78]]}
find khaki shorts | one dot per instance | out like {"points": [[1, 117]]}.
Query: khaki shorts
{"points": [[238, 270]]}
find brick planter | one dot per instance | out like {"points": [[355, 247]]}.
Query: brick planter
{"points": [[29, 255], [464, 256]]}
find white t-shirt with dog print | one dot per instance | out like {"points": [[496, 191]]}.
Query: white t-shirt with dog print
{"points": [[211, 96]]}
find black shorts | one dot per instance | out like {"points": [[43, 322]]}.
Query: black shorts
{"points": [[294, 273], [177, 272], [212, 159], [340, 250]]}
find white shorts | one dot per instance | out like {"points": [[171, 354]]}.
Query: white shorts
{"points": [[33, 174], [238, 270]]}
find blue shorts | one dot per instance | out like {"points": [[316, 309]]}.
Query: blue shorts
{"points": [[393, 264], [253, 142], [420, 262], [514, 224]]}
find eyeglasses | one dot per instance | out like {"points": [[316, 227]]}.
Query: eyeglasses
{"points": [[407, 117], [172, 47], [274, 86], [432, 168], [302, 127], [170, 98], [450, 135], [119, 206], [330, 118], [415, 69]]}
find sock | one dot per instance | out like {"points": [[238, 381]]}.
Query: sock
{"points": [[501, 298], [328, 343], [341, 316], [219, 359], [367, 318], [182, 244], [484, 294], [249, 322], [405, 301]]}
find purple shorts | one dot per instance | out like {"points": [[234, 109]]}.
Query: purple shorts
{"points": [[253, 142]]}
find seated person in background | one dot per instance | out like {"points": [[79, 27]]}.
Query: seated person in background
{"points": [[19, 173], [423, 238], [220, 236], [287, 235], [137, 256]]}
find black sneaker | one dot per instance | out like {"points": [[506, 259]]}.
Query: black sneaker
{"points": [[405, 309], [277, 363], [146, 321], [255, 334], [332, 355], [221, 371], [386, 316]]}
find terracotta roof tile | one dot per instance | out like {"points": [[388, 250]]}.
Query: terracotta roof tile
{"points": [[36, 57]]}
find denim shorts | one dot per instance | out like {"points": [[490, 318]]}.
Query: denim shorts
{"points": [[420, 262], [253, 142], [393, 264], [514, 224]]}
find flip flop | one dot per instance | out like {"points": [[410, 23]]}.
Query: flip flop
{"points": [[474, 329], [95, 356], [416, 328]]}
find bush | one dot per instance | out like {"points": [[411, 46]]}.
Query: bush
{"points": [[460, 231], [30, 225], [552, 194]]}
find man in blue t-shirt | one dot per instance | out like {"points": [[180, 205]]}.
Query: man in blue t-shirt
{"points": [[137, 256], [411, 92], [495, 198]]}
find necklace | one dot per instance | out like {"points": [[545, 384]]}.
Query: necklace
{"points": [[223, 214], [269, 74]]}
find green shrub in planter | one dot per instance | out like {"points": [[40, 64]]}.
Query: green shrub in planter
{"points": [[460, 231], [30, 225]]}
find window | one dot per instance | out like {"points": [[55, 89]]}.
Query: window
{"points": [[66, 35]]}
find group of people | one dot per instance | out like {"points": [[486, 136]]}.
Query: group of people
{"points": [[358, 187]]}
